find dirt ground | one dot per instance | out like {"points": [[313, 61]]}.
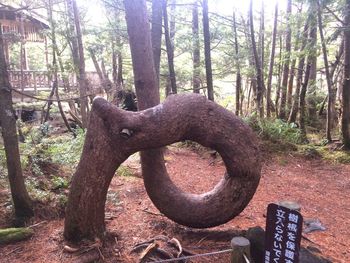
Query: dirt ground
{"points": [[321, 188]]}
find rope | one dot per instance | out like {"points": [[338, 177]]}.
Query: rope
{"points": [[50, 100], [193, 256]]}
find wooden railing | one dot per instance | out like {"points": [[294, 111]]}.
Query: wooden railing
{"points": [[31, 80]]}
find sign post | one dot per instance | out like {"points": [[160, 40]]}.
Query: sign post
{"points": [[283, 234]]}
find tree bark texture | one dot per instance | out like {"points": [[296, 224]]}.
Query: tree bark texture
{"points": [[259, 93], [282, 111], [196, 49], [20, 197], [207, 52], [115, 134], [345, 118], [272, 61]]}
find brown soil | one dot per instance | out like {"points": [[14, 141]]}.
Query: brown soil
{"points": [[321, 188]]}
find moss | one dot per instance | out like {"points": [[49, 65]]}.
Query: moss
{"points": [[325, 152], [11, 235]]}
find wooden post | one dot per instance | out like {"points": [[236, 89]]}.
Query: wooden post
{"points": [[240, 250], [34, 82], [291, 205]]}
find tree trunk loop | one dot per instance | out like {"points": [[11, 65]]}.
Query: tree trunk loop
{"points": [[114, 134]]}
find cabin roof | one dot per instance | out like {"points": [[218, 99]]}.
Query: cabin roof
{"points": [[11, 12]]}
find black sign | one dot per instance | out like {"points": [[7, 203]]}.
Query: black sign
{"points": [[283, 234]]}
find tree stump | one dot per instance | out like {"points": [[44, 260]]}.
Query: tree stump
{"points": [[114, 134]]}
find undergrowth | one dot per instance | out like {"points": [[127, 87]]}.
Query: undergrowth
{"points": [[49, 162], [276, 130]]}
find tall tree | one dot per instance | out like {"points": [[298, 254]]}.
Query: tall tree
{"points": [[345, 118], [238, 67], [195, 48], [262, 42], [156, 33], [295, 104], [259, 93], [292, 70], [78, 57], [272, 61], [312, 88], [207, 51], [282, 111], [20, 197], [169, 48], [54, 64], [331, 92]]}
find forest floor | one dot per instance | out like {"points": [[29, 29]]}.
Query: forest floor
{"points": [[321, 188]]}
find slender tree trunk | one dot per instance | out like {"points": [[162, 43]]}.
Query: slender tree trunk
{"points": [[251, 77], [208, 69], [78, 58], [262, 48], [257, 64], [278, 89], [282, 111], [55, 66], [169, 49], [311, 91], [345, 118], [96, 64], [295, 105], [196, 49], [272, 61], [156, 33], [20, 197], [331, 93], [305, 85], [238, 68]]}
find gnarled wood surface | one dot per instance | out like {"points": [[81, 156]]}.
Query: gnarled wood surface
{"points": [[114, 134]]}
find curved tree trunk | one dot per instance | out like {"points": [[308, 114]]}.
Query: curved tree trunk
{"points": [[114, 134]]}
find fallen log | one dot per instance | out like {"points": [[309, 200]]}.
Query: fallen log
{"points": [[11, 235]]}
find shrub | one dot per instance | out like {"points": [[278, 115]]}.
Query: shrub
{"points": [[276, 130]]}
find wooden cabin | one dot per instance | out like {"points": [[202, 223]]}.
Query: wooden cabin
{"points": [[21, 25]]}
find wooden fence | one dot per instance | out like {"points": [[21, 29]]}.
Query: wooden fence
{"points": [[34, 81]]}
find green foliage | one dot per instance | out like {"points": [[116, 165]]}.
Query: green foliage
{"points": [[59, 182], [276, 130], [325, 152], [124, 171], [64, 149]]}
